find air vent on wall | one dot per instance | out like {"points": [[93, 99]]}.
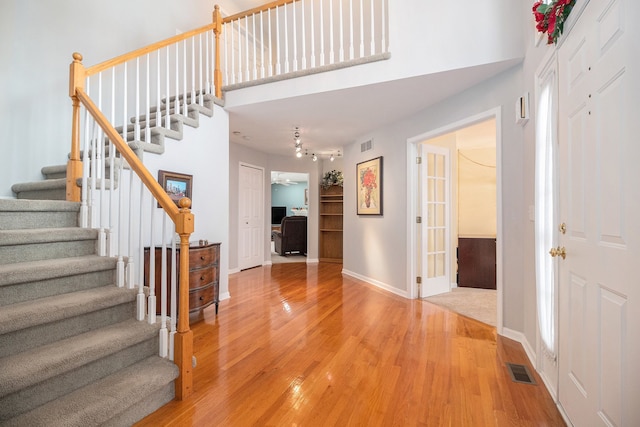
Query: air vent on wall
{"points": [[366, 146]]}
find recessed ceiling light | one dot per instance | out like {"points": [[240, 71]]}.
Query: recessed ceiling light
{"points": [[236, 132], [246, 137]]}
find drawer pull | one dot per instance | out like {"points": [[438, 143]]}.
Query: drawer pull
{"points": [[201, 298], [202, 257], [201, 278]]}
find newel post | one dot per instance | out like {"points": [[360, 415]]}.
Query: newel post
{"points": [[183, 340], [77, 75], [217, 72]]}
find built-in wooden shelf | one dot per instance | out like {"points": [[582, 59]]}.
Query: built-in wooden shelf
{"points": [[331, 213]]}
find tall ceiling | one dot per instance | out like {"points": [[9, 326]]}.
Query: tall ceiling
{"points": [[328, 121]]}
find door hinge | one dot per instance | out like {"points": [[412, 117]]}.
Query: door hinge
{"points": [[419, 279], [419, 219], [419, 160]]}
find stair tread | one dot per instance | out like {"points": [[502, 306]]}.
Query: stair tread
{"points": [[45, 310], [46, 184], [25, 205], [45, 235], [39, 364], [22, 272], [98, 402]]}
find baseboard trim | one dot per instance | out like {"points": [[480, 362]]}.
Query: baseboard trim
{"points": [[224, 296], [522, 339], [376, 283], [234, 270], [313, 261]]}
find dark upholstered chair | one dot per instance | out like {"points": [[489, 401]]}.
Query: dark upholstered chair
{"points": [[292, 236]]}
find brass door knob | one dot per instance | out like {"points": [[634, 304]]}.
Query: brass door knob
{"points": [[559, 251]]}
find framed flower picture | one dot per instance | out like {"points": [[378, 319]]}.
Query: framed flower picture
{"points": [[369, 187]]}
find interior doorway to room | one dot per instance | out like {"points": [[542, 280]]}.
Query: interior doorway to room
{"points": [[462, 247], [289, 198]]}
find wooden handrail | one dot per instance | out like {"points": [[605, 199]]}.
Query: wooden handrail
{"points": [[255, 10], [145, 50], [184, 222]]}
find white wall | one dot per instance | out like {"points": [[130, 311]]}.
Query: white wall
{"points": [[204, 153], [38, 38], [376, 247]]}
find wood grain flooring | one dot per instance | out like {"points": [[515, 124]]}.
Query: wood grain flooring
{"points": [[300, 345]]}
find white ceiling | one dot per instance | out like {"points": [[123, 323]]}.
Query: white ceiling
{"points": [[330, 120]]}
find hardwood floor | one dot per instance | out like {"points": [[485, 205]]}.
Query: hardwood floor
{"points": [[300, 345]]}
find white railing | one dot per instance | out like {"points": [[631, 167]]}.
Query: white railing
{"points": [[302, 35]]}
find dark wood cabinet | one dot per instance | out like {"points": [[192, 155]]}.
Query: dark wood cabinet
{"points": [[477, 263], [204, 275]]}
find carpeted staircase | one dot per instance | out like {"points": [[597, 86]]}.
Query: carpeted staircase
{"points": [[53, 187], [71, 351]]}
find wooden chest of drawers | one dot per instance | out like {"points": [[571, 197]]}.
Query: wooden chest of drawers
{"points": [[204, 275]]}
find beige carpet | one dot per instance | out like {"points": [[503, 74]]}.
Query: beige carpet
{"points": [[479, 304], [277, 259]]}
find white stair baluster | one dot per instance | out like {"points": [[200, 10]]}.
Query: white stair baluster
{"points": [[295, 37], [261, 46], [361, 30], [174, 294], [341, 51], [286, 39], [167, 83], [130, 273], [185, 110], [383, 20], [270, 44], [110, 229], [164, 333], [351, 52], [247, 74], [193, 71], [151, 301], [201, 65], [254, 66], [373, 30], [233, 54], [303, 40], [84, 191], [121, 230], [321, 33], [147, 102], [277, 42], [100, 172], [331, 47], [137, 126], [140, 297], [313, 36]]}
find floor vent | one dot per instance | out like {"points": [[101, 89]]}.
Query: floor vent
{"points": [[520, 374]]}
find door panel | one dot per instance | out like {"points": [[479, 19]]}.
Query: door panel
{"points": [[435, 229], [251, 242], [599, 289]]}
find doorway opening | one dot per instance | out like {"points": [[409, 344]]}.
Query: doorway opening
{"points": [[289, 211], [472, 253]]}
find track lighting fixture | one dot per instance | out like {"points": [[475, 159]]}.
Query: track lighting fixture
{"points": [[299, 154], [314, 157], [331, 159]]}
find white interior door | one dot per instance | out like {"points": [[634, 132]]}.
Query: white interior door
{"points": [[599, 381], [251, 242], [435, 230]]}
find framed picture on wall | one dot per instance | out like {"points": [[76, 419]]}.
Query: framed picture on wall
{"points": [[369, 187], [177, 185]]}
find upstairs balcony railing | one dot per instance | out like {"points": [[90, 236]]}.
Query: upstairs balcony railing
{"points": [[122, 107], [287, 37]]}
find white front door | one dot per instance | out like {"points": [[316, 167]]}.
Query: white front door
{"points": [[435, 195], [599, 288], [251, 200]]}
